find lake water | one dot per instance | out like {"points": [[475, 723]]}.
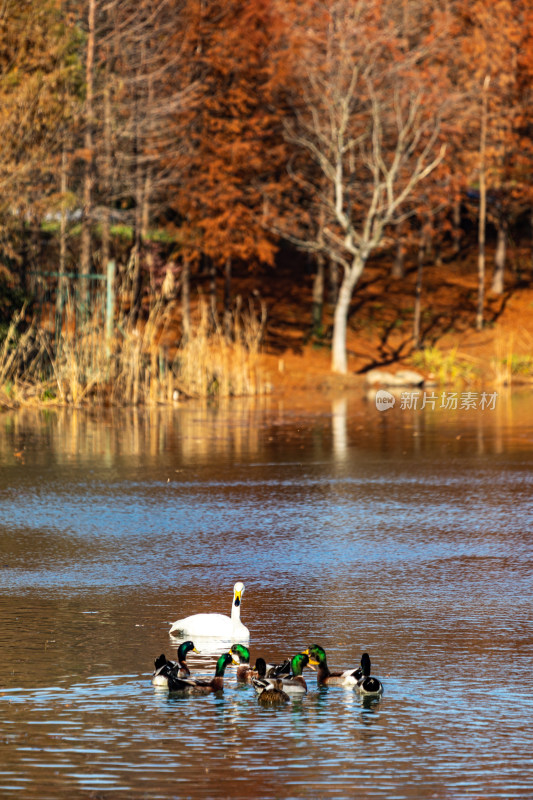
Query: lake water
{"points": [[404, 533]]}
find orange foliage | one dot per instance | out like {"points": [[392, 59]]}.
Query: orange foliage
{"points": [[231, 150]]}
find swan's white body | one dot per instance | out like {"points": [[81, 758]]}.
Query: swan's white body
{"points": [[216, 626]]}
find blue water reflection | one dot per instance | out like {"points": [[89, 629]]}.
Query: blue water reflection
{"points": [[348, 530]]}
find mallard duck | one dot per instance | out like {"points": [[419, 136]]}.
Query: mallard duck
{"points": [[217, 626], [293, 684], [260, 668], [245, 672], [317, 657], [279, 670], [265, 670], [162, 666], [366, 684], [202, 685], [270, 691]]}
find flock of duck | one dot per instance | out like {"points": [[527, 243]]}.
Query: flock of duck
{"points": [[274, 683]]}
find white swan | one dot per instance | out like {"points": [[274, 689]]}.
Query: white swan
{"points": [[216, 626]]}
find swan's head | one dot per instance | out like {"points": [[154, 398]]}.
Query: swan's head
{"points": [[238, 591]]}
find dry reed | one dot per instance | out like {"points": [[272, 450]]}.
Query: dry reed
{"points": [[510, 366], [141, 365]]}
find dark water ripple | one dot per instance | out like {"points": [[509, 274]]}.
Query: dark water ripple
{"points": [[418, 550]]}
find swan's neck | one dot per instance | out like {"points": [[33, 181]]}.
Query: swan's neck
{"points": [[235, 613]]}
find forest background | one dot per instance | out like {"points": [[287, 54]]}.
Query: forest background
{"points": [[206, 198]]}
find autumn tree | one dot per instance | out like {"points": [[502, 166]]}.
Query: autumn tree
{"points": [[135, 82], [39, 82], [366, 122], [491, 38], [152, 88], [231, 151], [523, 154]]}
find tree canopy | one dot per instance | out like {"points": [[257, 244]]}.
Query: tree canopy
{"points": [[221, 132]]}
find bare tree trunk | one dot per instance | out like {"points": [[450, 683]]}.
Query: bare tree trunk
{"points": [[147, 192], [213, 295], [456, 230], [137, 242], [500, 255], [531, 225], [405, 17], [333, 283], [339, 357], [482, 208], [107, 170], [318, 296], [145, 215], [227, 297], [434, 247], [27, 281], [139, 195], [88, 180], [61, 287], [185, 299], [418, 288], [398, 265], [319, 281]]}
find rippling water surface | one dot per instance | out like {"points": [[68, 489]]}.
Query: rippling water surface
{"points": [[405, 534]]}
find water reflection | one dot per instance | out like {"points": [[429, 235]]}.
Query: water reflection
{"points": [[339, 428], [404, 534], [200, 433]]}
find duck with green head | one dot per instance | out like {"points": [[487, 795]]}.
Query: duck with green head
{"points": [[241, 655], [293, 684], [162, 666], [245, 671], [202, 685], [317, 657]]}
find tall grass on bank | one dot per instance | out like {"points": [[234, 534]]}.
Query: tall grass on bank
{"points": [[141, 365], [507, 367], [510, 367], [447, 367], [222, 362]]}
